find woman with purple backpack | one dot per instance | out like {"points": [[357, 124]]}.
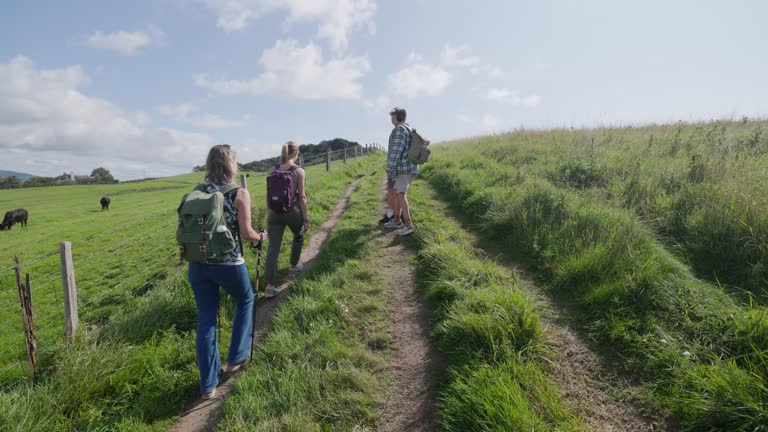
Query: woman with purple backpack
{"points": [[287, 207]]}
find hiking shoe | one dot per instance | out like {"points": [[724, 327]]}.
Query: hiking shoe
{"points": [[295, 270], [229, 368], [209, 395], [406, 230], [270, 292], [385, 219], [393, 224]]}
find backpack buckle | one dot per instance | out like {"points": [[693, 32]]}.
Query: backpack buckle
{"points": [[200, 221]]}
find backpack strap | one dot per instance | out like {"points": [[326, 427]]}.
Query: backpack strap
{"points": [[291, 169], [227, 188]]}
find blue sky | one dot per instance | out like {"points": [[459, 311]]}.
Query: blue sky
{"points": [[146, 87]]}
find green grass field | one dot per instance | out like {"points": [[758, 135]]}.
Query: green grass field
{"points": [[657, 234], [132, 366], [655, 239]]}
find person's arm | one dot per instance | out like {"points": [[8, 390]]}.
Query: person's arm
{"points": [[398, 148], [243, 205], [392, 149], [302, 198]]}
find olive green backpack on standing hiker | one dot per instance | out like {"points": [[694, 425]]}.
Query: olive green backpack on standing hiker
{"points": [[418, 150], [203, 234]]}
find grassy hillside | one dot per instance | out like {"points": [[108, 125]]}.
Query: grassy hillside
{"points": [[119, 254], [657, 234]]}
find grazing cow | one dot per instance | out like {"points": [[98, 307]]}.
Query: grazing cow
{"points": [[19, 215], [105, 203]]}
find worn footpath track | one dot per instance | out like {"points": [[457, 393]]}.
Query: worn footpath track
{"points": [[595, 392], [415, 364], [203, 415]]}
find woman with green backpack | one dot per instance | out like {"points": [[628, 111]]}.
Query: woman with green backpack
{"points": [[215, 256]]}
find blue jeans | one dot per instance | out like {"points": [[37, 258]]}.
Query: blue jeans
{"points": [[205, 280]]}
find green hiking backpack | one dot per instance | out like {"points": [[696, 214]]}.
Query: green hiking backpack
{"points": [[203, 234], [418, 150]]}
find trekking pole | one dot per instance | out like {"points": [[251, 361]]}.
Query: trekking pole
{"points": [[256, 291]]}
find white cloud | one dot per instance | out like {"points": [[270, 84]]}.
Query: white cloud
{"points": [[513, 97], [178, 111], [126, 43], [335, 18], [420, 78], [183, 112], [45, 116], [414, 57], [298, 72], [381, 103], [456, 56], [464, 118]]}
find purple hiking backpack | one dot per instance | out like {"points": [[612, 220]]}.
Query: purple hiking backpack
{"points": [[281, 189]]}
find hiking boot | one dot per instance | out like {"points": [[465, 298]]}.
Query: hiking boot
{"points": [[229, 368], [209, 395], [385, 219], [406, 230], [295, 270], [270, 292], [393, 224]]}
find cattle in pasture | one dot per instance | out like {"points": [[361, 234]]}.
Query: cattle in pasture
{"points": [[14, 216], [105, 202]]}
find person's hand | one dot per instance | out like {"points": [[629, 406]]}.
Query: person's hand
{"points": [[305, 227]]}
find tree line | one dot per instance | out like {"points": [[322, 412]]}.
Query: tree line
{"points": [[98, 176], [308, 151]]}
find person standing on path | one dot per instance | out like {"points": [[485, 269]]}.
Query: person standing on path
{"points": [[295, 217], [231, 274], [401, 169]]}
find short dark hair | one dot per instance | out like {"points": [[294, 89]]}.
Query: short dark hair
{"points": [[399, 114]]}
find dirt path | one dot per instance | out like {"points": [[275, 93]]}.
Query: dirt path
{"points": [[410, 405], [203, 415], [592, 389]]}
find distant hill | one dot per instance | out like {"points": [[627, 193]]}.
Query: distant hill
{"points": [[20, 176]]}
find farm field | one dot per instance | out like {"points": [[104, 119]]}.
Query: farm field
{"points": [[644, 247], [135, 303], [656, 236]]}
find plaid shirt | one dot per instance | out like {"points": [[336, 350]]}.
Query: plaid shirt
{"points": [[397, 152]]}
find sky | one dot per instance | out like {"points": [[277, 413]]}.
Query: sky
{"points": [[146, 87]]}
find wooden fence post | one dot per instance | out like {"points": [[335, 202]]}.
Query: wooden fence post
{"points": [[243, 181], [328, 159], [70, 290], [25, 301], [345, 154]]}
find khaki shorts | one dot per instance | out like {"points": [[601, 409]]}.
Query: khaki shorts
{"points": [[403, 182]]}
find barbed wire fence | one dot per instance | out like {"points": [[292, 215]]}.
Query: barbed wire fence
{"points": [[125, 272]]}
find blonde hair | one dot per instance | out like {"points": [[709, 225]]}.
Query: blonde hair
{"points": [[220, 167], [290, 149]]}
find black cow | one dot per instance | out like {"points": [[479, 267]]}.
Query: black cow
{"points": [[19, 215], [105, 203]]}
